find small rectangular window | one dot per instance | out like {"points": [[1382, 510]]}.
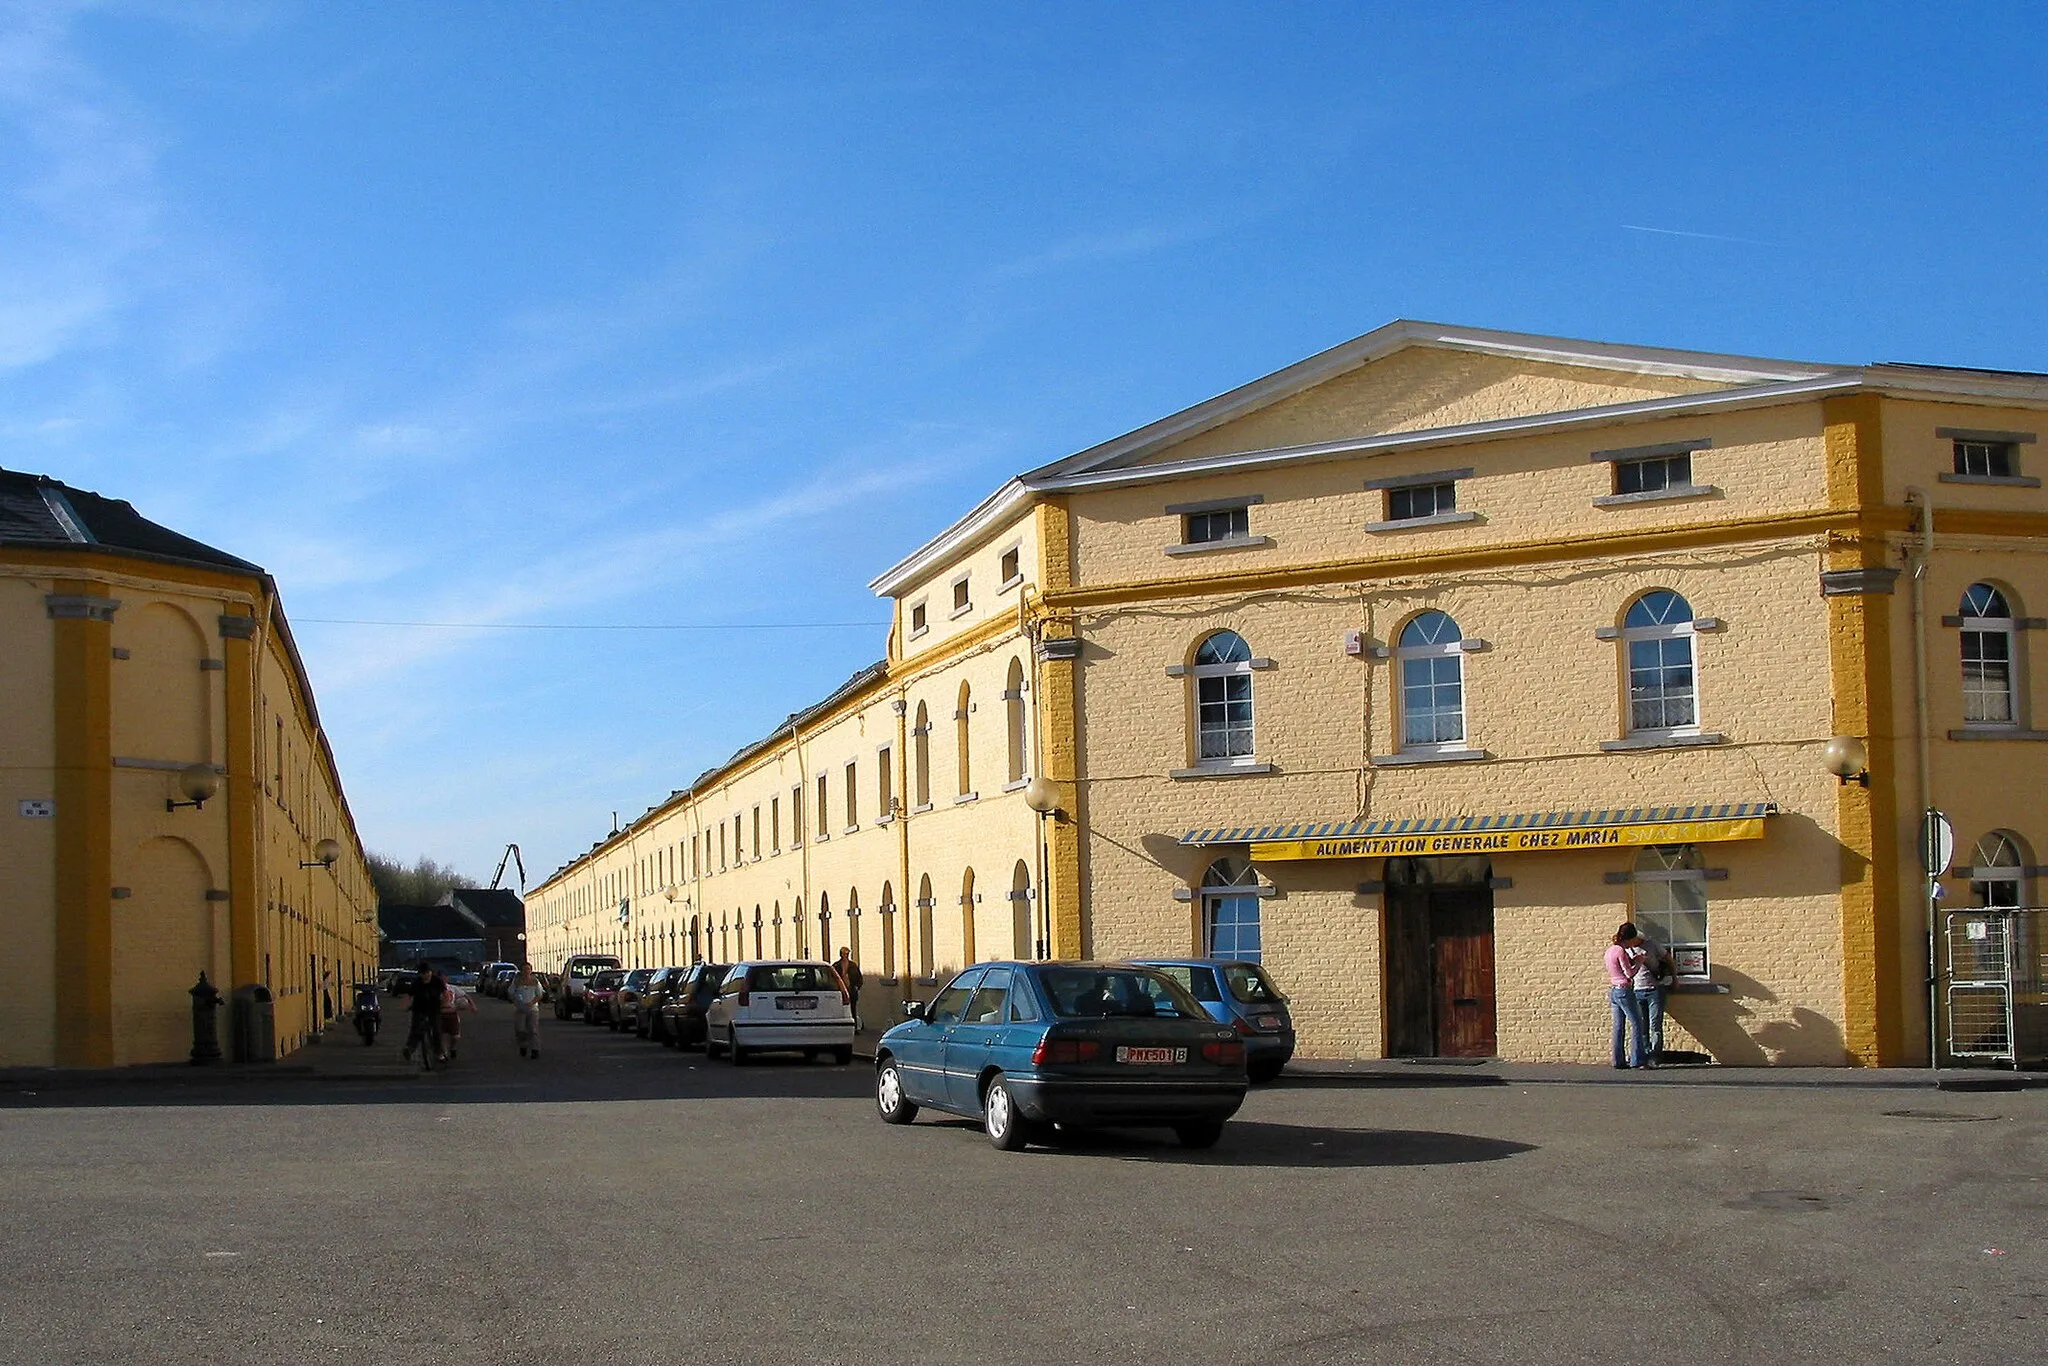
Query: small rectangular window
{"points": [[1222, 524], [852, 794], [1653, 475], [775, 824], [1421, 500], [1011, 564], [824, 826], [1989, 459], [885, 786], [917, 619], [796, 814], [757, 832], [960, 598]]}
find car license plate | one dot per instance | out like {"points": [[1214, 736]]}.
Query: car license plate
{"points": [[796, 1003], [1151, 1055]]}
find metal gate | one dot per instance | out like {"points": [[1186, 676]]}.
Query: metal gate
{"points": [[1995, 984]]}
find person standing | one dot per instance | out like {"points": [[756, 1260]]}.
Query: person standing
{"points": [[427, 990], [1652, 983], [454, 1000], [526, 994], [1625, 956], [850, 977]]}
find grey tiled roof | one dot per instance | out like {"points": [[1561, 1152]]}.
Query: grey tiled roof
{"points": [[38, 510]]}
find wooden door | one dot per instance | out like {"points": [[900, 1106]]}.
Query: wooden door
{"points": [[1406, 973], [1461, 945]]}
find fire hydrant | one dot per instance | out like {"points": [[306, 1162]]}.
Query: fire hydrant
{"points": [[205, 1023]]}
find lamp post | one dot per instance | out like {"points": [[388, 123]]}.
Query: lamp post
{"points": [[1043, 797]]}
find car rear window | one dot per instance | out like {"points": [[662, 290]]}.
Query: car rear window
{"points": [[579, 971], [792, 977], [1200, 982], [1249, 983], [639, 977], [1082, 993]]}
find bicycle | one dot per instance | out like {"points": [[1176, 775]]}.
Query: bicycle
{"points": [[425, 1036]]}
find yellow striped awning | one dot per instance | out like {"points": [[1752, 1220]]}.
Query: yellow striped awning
{"points": [[1534, 832]]}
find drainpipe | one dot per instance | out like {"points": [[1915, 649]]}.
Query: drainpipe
{"points": [[1918, 557], [803, 785]]}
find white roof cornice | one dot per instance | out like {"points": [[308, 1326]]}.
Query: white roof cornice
{"points": [[1402, 335], [1725, 400], [991, 514]]}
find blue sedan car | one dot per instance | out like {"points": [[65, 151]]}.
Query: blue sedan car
{"points": [[1241, 995], [1024, 1046]]}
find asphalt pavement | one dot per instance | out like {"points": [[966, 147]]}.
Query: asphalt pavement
{"points": [[618, 1201]]}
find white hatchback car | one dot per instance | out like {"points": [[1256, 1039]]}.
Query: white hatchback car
{"points": [[789, 1005]]}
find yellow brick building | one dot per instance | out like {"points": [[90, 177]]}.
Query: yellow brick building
{"points": [[143, 669], [1415, 668]]}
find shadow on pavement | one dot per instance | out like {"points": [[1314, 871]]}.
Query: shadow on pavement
{"points": [[1254, 1143]]}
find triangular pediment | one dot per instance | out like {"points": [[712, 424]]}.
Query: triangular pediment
{"points": [[1413, 377]]}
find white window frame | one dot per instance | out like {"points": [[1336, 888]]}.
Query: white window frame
{"points": [[1203, 672], [2006, 627], [918, 617], [1687, 631], [1013, 580], [2010, 877], [1685, 967], [1451, 649], [1229, 880], [964, 602]]}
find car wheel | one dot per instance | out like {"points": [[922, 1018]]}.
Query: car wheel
{"points": [[999, 1118], [1201, 1133], [733, 1049], [895, 1107], [842, 1056]]}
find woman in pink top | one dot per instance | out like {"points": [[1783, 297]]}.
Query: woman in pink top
{"points": [[1625, 958]]}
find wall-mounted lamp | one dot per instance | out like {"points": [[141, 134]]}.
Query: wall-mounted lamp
{"points": [[1846, 758], [325, 854], [198, 782], [1043, 796]]}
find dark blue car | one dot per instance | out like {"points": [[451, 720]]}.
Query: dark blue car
{"points": [[1025, 1046], [1241, 995]]}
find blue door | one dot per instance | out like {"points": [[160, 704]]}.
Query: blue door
{"points": [[921, 1049], [971, 1042]]}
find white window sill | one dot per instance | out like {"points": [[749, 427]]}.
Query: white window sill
{"points": [[920, 809], [1996, 733], [849, 829], [1017, 786], [1222, 543], [960, 611], [1660, 740], [1418, 523], [885, 820], [1676, 493], [1007, 584], [966, 797], [1221, 771], [822, 837], [919, 631], [1408, 757]]}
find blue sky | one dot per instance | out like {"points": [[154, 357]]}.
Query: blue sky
{"points": [[659, 314]]}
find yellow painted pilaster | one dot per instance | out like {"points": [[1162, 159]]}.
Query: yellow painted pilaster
{"points": [[244, 792], [1059, 717], [1867, 819], [82, 626]]}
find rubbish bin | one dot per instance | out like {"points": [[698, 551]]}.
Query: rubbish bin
{"points": [[255, 1024]]}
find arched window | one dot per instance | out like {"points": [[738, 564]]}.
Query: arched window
{"points": [[1662, 691], [960, 714], [777, 929], [1020, 911], [924, 966], [921, 756], [760, 944], [1230, 911], [852, 924], [1013, 719], [1998, 871], [1223, 699], [887, 907], [1432, 662], [803, 931], [1988, 626], [967, 900], [1671, 903]]}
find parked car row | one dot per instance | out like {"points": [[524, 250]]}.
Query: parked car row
{"points": [[1027, 1049]]}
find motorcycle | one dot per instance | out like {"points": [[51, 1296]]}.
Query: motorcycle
{"points": [[368, 1014]]}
